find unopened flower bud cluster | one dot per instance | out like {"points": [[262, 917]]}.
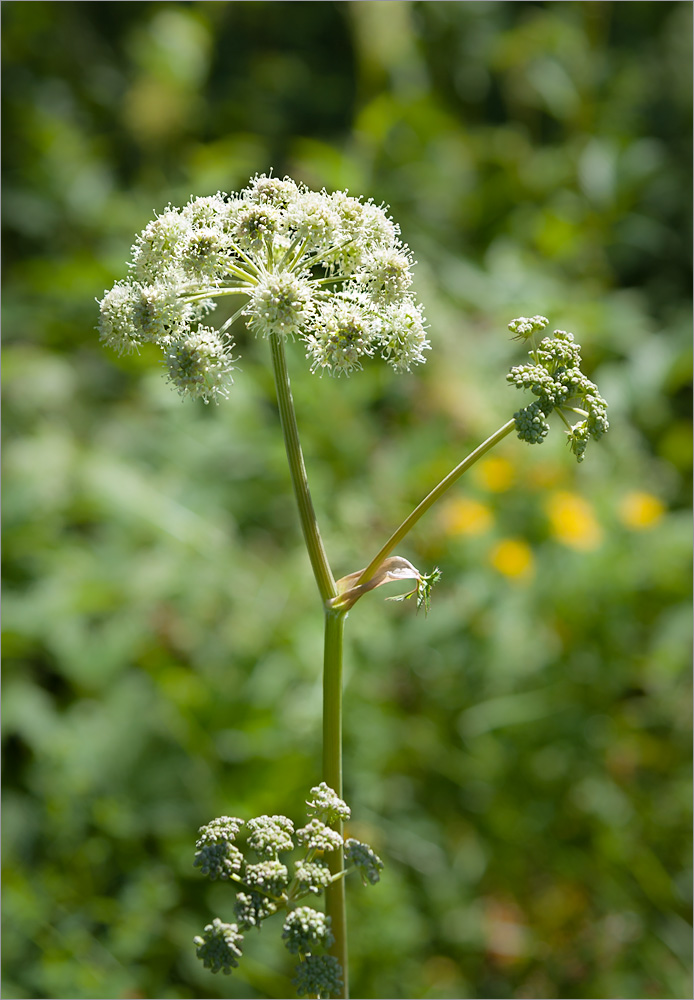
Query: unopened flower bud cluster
{"points": [[556, 379], [265, 886], [329, 269]]}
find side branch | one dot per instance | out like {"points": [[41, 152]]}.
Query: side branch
{"points": [[431, 499]]}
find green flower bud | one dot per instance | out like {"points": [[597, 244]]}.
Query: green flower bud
{"points": [[270, 877], [312, 876], [216, 855], [326, 805], [251, 908], [524, 327], [306, 929], [364, 859], [270, 834], [319, 837], [219, 946], [318, 975]]}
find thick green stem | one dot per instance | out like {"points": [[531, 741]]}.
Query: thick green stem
{"points": [[431, 499], [332, 775], [334, 632], [307, 515]]}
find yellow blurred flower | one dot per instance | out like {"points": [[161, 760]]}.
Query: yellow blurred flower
{"points": [[495, 474], [513, 557], [465, 516], [545, 475], [640, 511], [572, 521]]}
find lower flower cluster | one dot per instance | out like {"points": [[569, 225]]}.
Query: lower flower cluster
{"points": [[265, 886]]}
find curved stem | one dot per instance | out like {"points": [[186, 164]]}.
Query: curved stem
{"points": [[307, 515], [431, 499], [332, 775], [563, 418]]}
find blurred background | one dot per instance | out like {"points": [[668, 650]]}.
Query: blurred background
{"points": [[520, 759]]}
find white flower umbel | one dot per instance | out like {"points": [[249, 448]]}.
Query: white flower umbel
{"points": [[329, 269]]}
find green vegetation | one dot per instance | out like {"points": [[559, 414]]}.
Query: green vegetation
{"points": [[519, 760]]}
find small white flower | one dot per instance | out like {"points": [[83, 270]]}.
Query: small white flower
{"points": [[347, 332], [119, 326], [403, 336], [255, 224], [386, 273], [315, 221], [155, 253], [364, 228], [280, 304], [272, 191], [204, 254], [379, 228], [204, 211], [159, 313], [200, 364]]}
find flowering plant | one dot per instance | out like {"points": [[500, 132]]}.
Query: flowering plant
{"points": [[330, 271]]}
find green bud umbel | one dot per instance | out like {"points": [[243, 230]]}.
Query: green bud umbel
{"points": [[556, 379]]}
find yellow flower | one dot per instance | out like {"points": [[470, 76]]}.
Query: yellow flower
{"points": [[495, 474], [465, 516], [572, 521], [641, 511], [513, 557], [545, 475]]}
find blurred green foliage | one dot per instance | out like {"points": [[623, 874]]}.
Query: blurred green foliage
{"points": [[520, 759]]}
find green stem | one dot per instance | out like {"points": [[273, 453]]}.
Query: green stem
{"points": [[297, 469], [562, 415], [217, 293], [431, 499], [334, 633], [332, 775]]}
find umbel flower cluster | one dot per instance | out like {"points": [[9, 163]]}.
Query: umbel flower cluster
{"points": [[555, 378], [265, 884], [329, 269]]}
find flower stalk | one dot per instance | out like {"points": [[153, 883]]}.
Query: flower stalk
{"points": [[332, 776], [297, 469], [334, 635]]}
